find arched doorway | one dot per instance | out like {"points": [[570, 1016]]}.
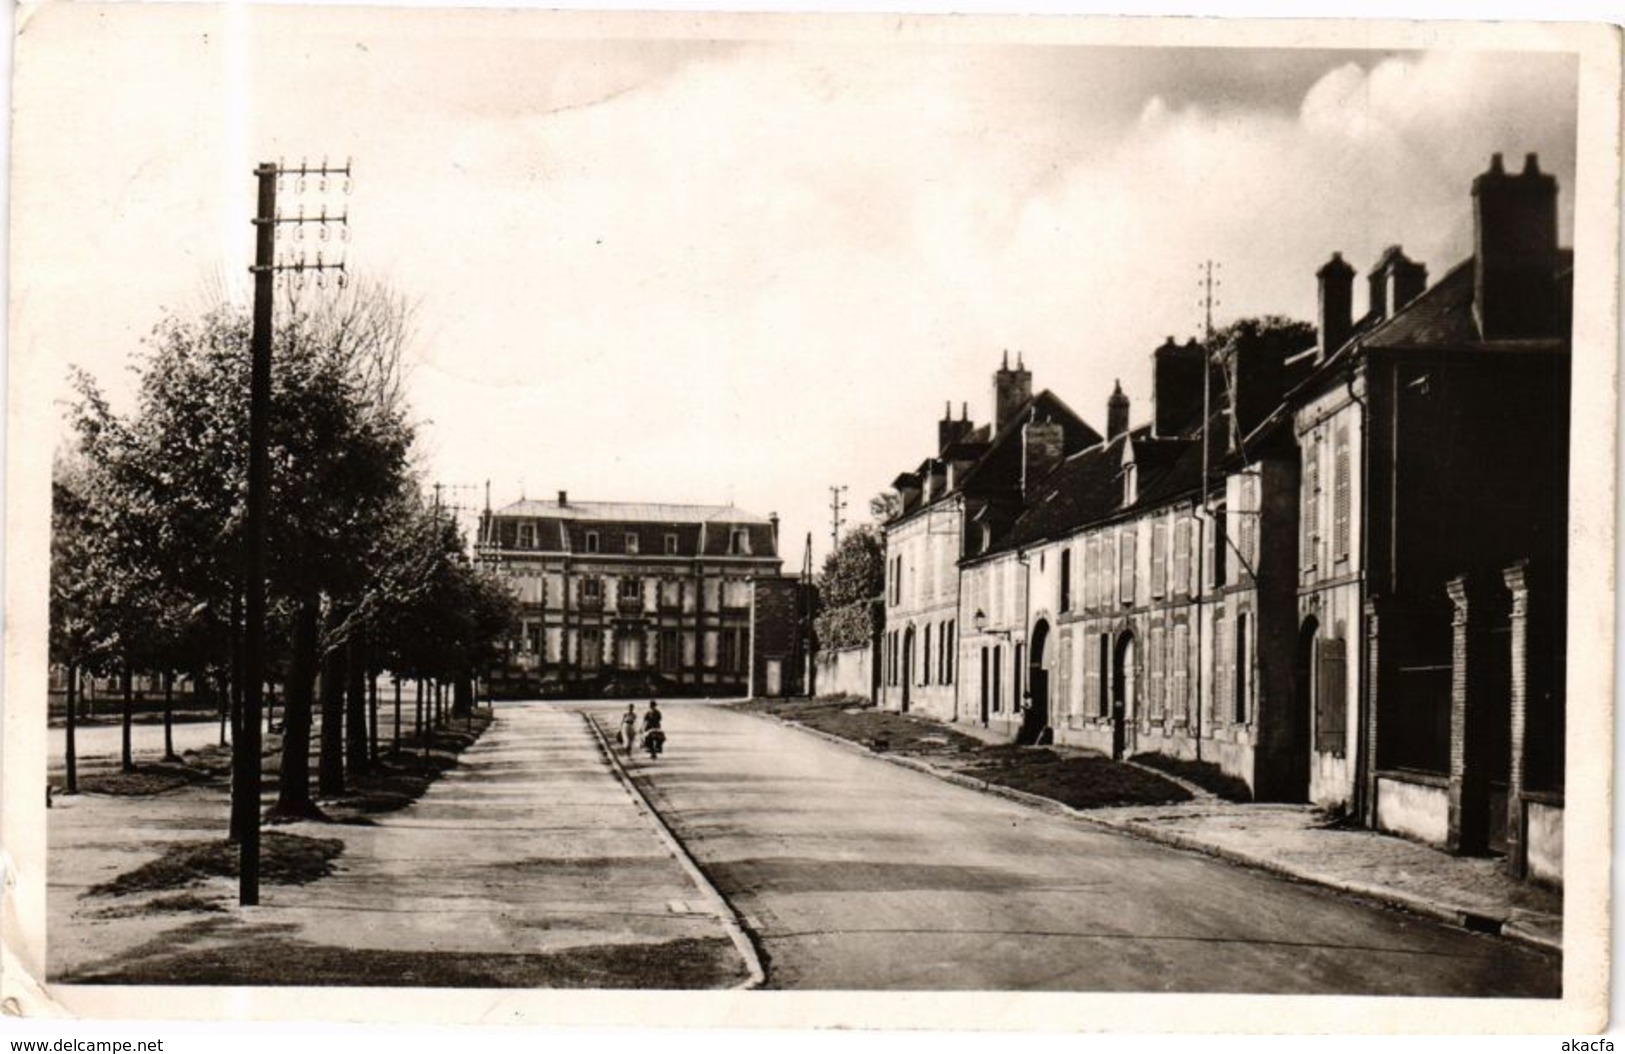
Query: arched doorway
{"points": [[1036, 717], [908, 665], [1122, 694]]}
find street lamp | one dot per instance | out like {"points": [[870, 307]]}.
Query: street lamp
{"points": [[980, 618]]}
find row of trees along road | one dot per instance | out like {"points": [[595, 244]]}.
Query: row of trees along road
{"points": [[363, 574]]}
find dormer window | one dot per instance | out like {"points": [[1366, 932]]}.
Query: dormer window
{"points": [[527, 536], [631, 543], [671, 545], [1131, 482], [739, 542], [592, 541]]}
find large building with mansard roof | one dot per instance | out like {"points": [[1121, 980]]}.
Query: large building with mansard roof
{"points": [[627, 598]]}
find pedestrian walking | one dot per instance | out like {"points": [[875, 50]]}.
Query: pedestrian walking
{"points": [[629, 728]]}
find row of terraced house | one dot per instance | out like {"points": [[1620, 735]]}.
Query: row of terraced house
{"points": [[1334, 570]]}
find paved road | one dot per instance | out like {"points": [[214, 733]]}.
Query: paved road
{"points": [[855, 873]]}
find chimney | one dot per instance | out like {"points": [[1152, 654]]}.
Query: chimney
{"points": [[1515, 251], [1041, 451], [1176, 388], [773, 522], [564, 499], [950, 431], [1395, 281], [1012, 390], [1336, 319], [1117, 410]]}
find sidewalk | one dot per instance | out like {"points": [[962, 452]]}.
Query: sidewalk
{"points": [[529, 864], [1290, 840]]}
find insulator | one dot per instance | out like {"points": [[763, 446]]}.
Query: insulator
{"points": [[346, 186], [341, 279], [321, 188], [324, 232]]}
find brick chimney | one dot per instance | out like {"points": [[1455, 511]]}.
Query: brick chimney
{"points": [[1012, 390], [1041, 450], [773, 521], [1395, 281], [564, 499], [950, 431], [1117, 410], [1336, 320], [1176, 388], [1515, 251]]}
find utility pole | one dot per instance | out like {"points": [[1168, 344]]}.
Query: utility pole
{"points": [[837, 505], [245, 766], [1207, 283]]}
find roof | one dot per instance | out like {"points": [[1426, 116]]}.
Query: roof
{"points": [[631, 512]]}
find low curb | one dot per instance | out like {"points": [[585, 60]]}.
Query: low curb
{"points": [[1463, 918], [725, 912]]}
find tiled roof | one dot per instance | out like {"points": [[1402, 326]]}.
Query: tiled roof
{"points": [[632, 512]]}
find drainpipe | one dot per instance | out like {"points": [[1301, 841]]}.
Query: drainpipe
{"points": [[1364, 751]]}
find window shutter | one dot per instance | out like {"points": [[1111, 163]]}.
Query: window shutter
{"points": [[1340, 495], [1159, 557], [1091, 573], [1311, 503], [1181, 700], [1331, 708], [1108, 571], [1221, 667], [1091, 671], [1249, 524], [1182, 556], [1155, 664], [1125, 572]]}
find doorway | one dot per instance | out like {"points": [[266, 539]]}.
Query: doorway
{"points": [[1036, 718], [908, 665], [1123, 707]]}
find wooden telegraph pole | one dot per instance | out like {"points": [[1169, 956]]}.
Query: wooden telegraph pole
{"points": [[245, 762]]}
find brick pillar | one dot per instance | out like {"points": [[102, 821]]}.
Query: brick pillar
{"points": [[1469, 778], [1517, 581]]}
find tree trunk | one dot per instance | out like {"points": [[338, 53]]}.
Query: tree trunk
{"points": [[355, 716], [293, 785], [330, 775], [73, 721], [417, 707], [169, 715], [462, 699], [395, 745], [224, 689], [129, 717], [372, 712]]}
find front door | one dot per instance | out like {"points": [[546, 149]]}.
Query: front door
{"points": [[1122, 696], [774, 678]]}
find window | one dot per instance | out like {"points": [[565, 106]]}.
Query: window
{"points": [[1340, 495], [629, 590], [671, 545], [1221, 544], [739, 542], [671, 654], [671, 594], [1105, 679], [1125, 572], [631, 543], [592, 649], [998, 679], [1159, 557], [527, 536], [592, 541], [1015, 677], [1243, 669], [948, 653], [1066, 579], [734, 647], [925, 660], [592, 589], [533, 638]]}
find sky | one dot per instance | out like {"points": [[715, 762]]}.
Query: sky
{"points": [[710, 266]]}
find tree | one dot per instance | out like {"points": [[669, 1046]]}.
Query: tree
{"points": [[1266, 342], [885, 506], [850, 588]]}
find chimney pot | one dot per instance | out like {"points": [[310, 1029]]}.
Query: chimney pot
{"points": [[1336, 315], [1515, 254], [1116, 412], [1531, 165], [564, 499]]}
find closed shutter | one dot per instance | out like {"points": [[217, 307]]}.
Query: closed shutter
{"points": [[1311, 503], [1157, 685], [1331, 707], [1340, 495], [1180, 705], [1249, 524], [1091, 672], [1108, 572], [1125, 570], [1091, 573], [1221, 668], [1159, 557], [1182, 557]]}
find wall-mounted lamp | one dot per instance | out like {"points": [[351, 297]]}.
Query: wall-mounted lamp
{"points": [[980, 619]]}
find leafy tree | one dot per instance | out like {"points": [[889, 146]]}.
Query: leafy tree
{"points": [[850, 588], [885, 506]]}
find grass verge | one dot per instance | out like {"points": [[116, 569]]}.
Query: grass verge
{"points": [[285, 859], [1081, 779], [1204, 774]]}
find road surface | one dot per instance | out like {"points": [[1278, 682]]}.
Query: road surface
{"points": [[856, 873]]}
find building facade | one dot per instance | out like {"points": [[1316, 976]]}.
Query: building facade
{"points": [[1338, 573], [629, 599]]}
